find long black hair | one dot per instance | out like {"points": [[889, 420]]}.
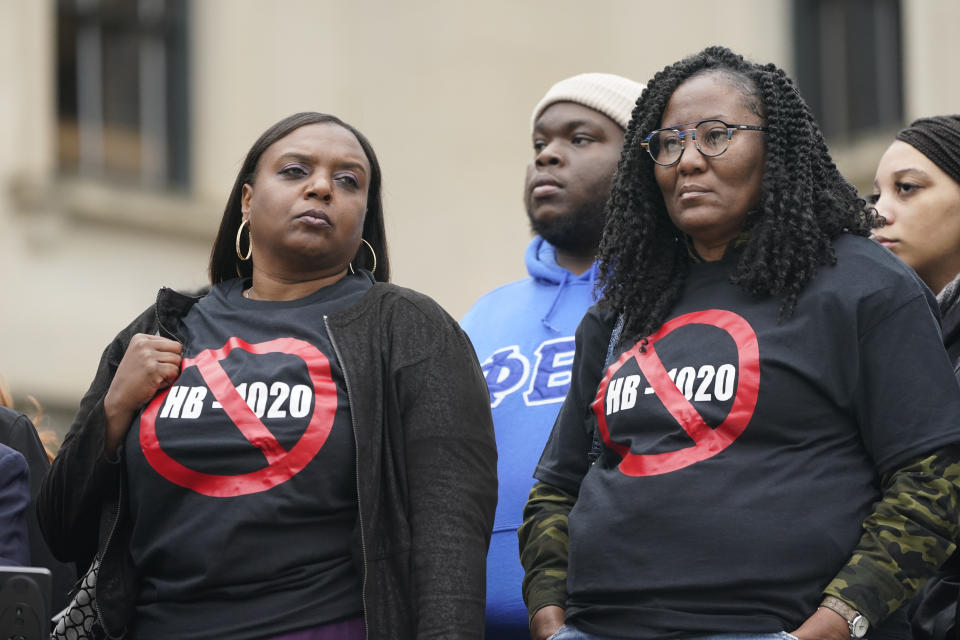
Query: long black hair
{"points": [[804, 202], [224, 262]]}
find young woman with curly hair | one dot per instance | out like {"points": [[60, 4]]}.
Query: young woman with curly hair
{"points": [[747, 449]]}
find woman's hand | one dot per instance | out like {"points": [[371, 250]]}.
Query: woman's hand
{"points": [[149, 364], [824, 624], [546, 622]]}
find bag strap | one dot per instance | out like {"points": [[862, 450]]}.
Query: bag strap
{"points": [[596, 446]]}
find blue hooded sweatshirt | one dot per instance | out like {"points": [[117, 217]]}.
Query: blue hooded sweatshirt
{"points": [[524, 336]]}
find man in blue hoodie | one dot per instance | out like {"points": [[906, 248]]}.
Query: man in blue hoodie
{"points": [[524, 331]]}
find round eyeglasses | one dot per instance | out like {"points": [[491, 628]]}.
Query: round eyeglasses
{"points": [[712, 138]]}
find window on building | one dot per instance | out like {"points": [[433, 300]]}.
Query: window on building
{"points": [[849, 64], [122, 90]]}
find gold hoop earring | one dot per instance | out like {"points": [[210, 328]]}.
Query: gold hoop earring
{"points": [[249, 244], [372, 253]]}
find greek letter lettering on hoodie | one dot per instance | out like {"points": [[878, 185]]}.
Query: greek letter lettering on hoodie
{"points": [[523, 333]]}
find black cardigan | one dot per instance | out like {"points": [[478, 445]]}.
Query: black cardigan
{"points": [[426, 468]]}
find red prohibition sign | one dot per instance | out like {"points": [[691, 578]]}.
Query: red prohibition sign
{"points": [[707, 442], [281, 464]]}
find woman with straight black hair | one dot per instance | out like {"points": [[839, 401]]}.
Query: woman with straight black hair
{"points": [[303, 453], [760, 437], [225, 262]]}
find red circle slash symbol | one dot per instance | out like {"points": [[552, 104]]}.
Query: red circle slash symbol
{"points": [[281, 464], [707, 442]]}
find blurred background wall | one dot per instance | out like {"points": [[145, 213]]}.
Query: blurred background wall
{"points": [[123, 123]]}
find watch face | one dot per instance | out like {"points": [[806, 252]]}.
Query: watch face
{"points": [[859, 626]]}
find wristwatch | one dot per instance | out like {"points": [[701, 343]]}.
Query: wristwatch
{"points": [[857, 623]]}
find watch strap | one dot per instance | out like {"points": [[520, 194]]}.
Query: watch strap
{"points": [[856, 623], [839, 606]]}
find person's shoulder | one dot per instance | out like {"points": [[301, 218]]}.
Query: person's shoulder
{"points": [[859, 252], [394, 302], [11, 460], [18, 432], [144, 322], [417, 324], [874, 268], [174, 302], [169, 304], [870, 280], [597, 322], [599, 315], [494, 299], [391, 292], [508, 289], [8, 415]]}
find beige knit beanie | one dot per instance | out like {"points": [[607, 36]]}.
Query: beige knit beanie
{"points": [[613, 96]]}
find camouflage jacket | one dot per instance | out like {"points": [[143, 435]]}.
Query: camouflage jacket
{"points": [[911, 532]]}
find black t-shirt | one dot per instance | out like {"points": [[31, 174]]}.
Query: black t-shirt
{"points": [[242, 474], [742, 454]]}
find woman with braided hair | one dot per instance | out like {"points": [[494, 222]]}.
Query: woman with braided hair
{"points": [[917, 194], [747, 449]]}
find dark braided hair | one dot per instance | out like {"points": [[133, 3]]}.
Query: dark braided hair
{"points": [[938, 138], [804, 201]]}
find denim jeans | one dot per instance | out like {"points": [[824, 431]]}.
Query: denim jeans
{"points": [[567, 632]]}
